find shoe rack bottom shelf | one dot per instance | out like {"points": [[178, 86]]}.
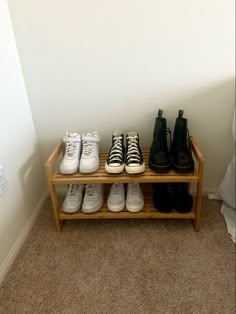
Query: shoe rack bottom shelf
{"points": [[149, 211]]}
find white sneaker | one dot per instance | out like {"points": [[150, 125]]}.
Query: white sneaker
{"points": [[116, 198], [70, 162], [89, 161], [134, 198], [93, 198], [73, 199]]}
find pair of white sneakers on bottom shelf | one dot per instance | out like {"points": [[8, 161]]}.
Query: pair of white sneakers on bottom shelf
{"points": [[89, 202], [134, 199], [88, 160]]}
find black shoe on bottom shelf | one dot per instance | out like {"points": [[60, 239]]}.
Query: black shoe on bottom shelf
{"points": [[162, 197], [169, 196], [183, 201]]}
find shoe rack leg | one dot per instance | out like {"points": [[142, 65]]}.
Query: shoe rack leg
{"points": [[198, 205], [55, 206]]}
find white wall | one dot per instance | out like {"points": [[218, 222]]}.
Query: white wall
{"points": [[19, 154], [102, 65]]}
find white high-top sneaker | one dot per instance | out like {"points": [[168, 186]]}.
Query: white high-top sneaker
{"points": [[73, 199], [116, 198], [70, 162], [89, 161], [134, 198], [93, 198]]}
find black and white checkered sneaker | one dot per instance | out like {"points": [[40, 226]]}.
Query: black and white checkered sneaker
{"points": [[134, 162], [115, 159]]}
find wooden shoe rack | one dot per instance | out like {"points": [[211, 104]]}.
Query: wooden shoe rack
{"points": [[100, 176]]}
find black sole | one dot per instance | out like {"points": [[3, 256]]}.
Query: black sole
{"points": [[159, 169], [179, 169]]}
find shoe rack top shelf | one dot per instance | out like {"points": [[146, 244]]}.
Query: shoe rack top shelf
{"points": [[101, 176]]}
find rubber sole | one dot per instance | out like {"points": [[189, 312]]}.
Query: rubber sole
{"points": [[89, 170], [135, 169], [116, 208], [183, 169], [63, 171], [160, 169], [92, 210], [133, 208], [114, 169]]}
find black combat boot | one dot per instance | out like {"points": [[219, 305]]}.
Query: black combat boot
{"points": [[180, 150], [159, 159], [163, 196], [183, 201]]}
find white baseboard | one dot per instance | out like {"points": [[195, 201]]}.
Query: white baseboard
{"points": [[20, 240]]}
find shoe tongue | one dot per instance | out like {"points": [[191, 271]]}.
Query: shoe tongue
{"points": [[117, 133], [73, 134], [181, 113], [90, 138], [132, 133], [72, 138]]}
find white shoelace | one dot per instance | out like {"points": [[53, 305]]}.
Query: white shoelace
{"points": [[71, 150], [91, 190], [116, 150], [73, 190], [89, 144], [116, 189], [134, 189], [89, 149], [133, 151]]}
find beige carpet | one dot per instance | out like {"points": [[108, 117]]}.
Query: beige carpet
{"points": [[131, 266]]}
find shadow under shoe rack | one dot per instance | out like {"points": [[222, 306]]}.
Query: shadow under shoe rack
{"points": [[146, 178]]}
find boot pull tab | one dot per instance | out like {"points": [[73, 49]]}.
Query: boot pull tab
{"points": [[181, 113], [160, 113]]}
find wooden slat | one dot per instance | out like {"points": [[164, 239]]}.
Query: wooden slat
{"points": [[149, 210], [127, 215], [102, 176]]}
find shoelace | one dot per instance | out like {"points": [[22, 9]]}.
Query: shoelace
{"points": [[89, 146], [116, 150], [116, 189], [71, 150], [133, 153], [91, 190], [134, 189], [73, 189]]}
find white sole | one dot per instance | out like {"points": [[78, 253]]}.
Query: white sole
{"points": [[116, 208], [114, 169], [92, 210], [135, 169], [89, 170], [68, 171], [134, 209], [70, 211]]}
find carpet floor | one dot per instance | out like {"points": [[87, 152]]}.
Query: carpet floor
{"points": [[124, 266]]}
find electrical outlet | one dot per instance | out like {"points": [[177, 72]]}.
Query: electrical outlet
{"points": [[3, 182]]}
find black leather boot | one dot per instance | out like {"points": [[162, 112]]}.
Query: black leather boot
{"points": [[163, 195], [181, 151], [159, 159], [183, 201]]}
